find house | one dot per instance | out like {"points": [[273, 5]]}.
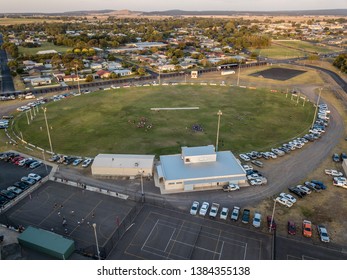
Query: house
{"points": [[122, 72], [103, 74], [167, 67], [198, 169], [40, 81], [96, 66]]}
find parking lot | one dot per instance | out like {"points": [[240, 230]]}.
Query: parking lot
{"points": [[159, 234]]}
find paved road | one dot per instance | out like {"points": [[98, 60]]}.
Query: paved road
{"points": [[6, 78]]}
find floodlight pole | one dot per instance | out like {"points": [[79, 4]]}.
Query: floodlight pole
{"points": [[238, 74], [219, 115], [44, 161], [315, 112], [49, 135], [78, 80], [96, 240]]}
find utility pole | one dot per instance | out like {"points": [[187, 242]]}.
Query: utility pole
{"points": [[78, 80], [272, 216]]}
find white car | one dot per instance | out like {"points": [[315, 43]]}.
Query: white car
{"points": [[204, 208], [256, 182], [284, 201], [247, 167], [244, 157], [194, 208], [340, 183], [253, 176], [34, 176], [231, 187], [333, 172], [305, 189], [257, 219], [224, 213], [235, 213], [291, 198], [86, 162]]}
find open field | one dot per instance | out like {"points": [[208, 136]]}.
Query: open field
{"points": [[45, 46], [285, 49], [13, 21], [108, 121], [307, 46]]}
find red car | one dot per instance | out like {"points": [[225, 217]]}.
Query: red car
{"points": [[307, 228], [270, 225], [291, 228]]}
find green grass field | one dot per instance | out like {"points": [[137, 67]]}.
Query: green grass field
{"points": [[284, 49], [45, 46], [106, 122], [307, 46]]}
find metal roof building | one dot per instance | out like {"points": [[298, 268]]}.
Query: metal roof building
{"points": [[47, 242], [198, 168], [113, 165]]}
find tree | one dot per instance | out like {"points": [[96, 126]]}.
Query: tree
{"points": [[141, 71], [89, 78]]}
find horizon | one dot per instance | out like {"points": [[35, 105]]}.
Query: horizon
{"points": [[65, 6]]}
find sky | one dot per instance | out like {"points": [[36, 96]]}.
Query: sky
{"points": [[21, 6]]}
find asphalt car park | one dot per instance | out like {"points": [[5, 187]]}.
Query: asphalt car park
{"points": [[159, 233], [11, 173]]}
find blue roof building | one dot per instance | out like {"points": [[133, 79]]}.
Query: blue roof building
{"points": [[197, 169]]}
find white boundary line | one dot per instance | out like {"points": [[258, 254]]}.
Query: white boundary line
{"points": [[182, 228], [144, 244]]}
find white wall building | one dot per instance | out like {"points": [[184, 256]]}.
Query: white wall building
{"points": [[197, 169], [114, 165]]}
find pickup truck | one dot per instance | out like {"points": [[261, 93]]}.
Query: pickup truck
{"points": [[245, 216], [214, 210]]}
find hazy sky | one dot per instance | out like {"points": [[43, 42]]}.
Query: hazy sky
{"points": [[160, 5]]}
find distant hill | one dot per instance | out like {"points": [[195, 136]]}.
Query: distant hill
{"points": [[333, 12]]}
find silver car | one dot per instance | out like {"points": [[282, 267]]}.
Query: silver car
{"points": [[323, 233], [257, 219]]}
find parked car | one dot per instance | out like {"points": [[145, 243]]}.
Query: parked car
{"points": [[343, 156], [194, 208], [35, 164], [224, 213], [3, 200], [87, 162], [204, 208], [22, 185], [307, 228], [305, 189], [336, 158], [235, 213], [244, 157], [231, 187], [257, 219], [297, 191], [291, 198], [291, 228], [319, 183], [271, 223], [323, 233], [245, 216], [333, 172], [28, 180], [15, 190], [54, 158], [34, 176], [77, 161], [284, 201], [8, 194]]}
